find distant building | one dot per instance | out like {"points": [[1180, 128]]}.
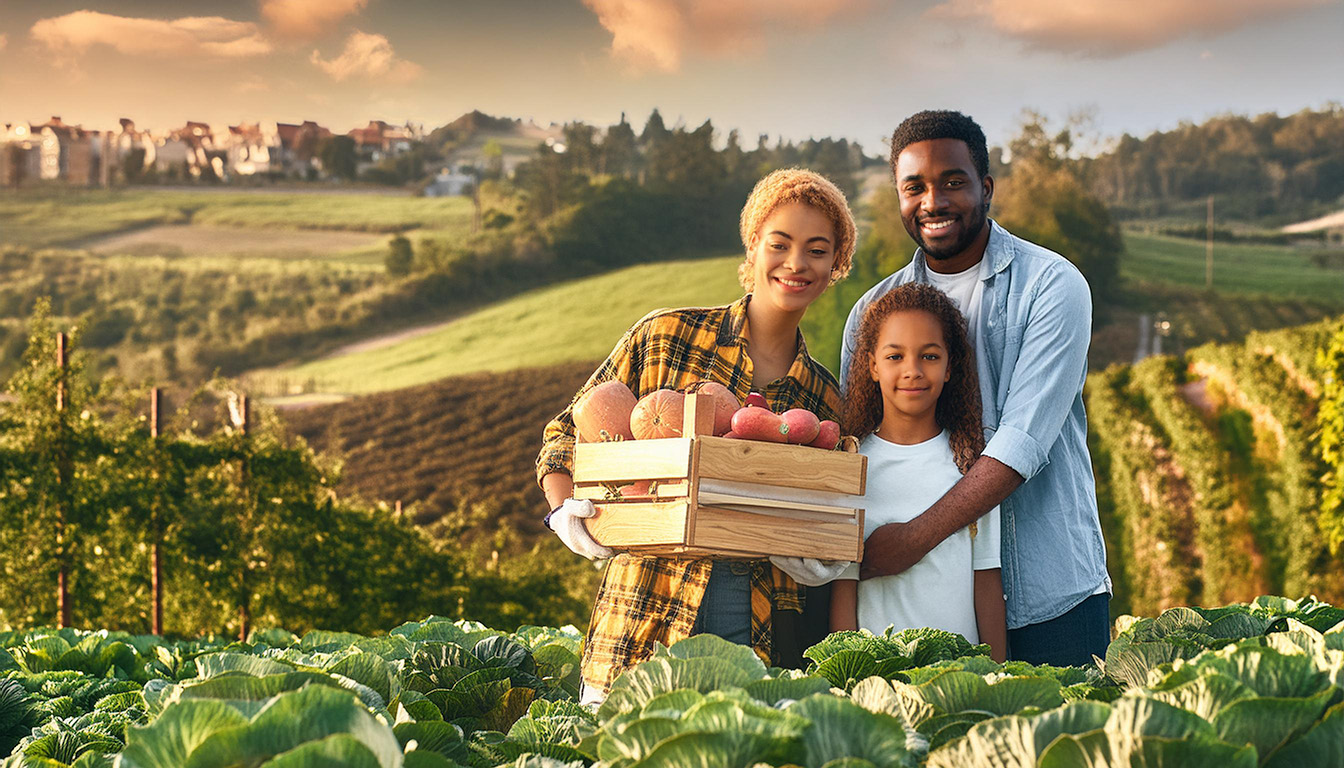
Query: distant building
{"points": [[284, 149], [450, 184], [1331, 225], [20, 155], [378, 140], [190, 152], [63, 152]]}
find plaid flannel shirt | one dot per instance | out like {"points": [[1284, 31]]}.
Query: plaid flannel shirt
{"points": [[649, 600]]}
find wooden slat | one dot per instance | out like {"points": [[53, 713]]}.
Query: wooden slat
{"points": [[628, 460], [729, 530], [639, 524], [708, 498], [698, 415], [796, 466], [780, 493], [665, 490]]}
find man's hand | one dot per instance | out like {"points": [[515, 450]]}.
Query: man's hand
{"points": [[567, 522], [892, 549], [809, 571]]}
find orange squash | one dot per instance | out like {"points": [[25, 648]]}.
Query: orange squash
{"points": [[658, 414], [605, 408]]}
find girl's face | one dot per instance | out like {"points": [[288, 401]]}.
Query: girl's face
{"points": [[793, 252], [910, 363]]}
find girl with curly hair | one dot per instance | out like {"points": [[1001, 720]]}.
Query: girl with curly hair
{"points": [[913, 399]]}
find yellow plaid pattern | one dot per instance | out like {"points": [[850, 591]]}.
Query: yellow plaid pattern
{"points": [[648, 600]]}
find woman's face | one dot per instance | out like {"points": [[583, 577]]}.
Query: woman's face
{"points": [[794, 252], [910, 362]]}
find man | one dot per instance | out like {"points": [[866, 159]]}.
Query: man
{"points": [[1029, 313]]}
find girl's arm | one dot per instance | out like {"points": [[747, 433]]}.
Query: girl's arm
{"points": [[990, 615], [844, 605]]}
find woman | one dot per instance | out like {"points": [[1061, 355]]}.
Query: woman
{"points": [[799, 238]]}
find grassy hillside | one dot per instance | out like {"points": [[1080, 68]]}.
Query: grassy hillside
{"points": [[1209, 472], [579, 320], [1248, 270]]}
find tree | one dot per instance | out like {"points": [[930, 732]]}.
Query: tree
{"points": [[399, 257], [338, 157], [494, 159], [619, 154], [1042, 199]]}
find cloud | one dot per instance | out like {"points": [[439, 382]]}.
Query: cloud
{"points": [[253, 84], [75, 33], [307, 19], [1110, 28], [368, 56], [4, 40], [658, 33]]}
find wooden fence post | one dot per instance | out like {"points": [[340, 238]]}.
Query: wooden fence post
{"points": [[156, 562], [63, 478], [241, 421]]}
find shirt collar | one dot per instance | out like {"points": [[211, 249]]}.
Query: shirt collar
{"points": [[735, 322], [998, 253]]}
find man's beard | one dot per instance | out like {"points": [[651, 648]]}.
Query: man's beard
{"points": [[974, 226]]}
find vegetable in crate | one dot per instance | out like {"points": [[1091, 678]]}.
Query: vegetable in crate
{"points": [[754, 423], [804, 427], [828, 436], [658, 414], [605, 408]]}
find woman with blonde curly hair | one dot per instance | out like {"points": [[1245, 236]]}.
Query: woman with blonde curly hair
{"points": [[912, 397], [799, 238]]}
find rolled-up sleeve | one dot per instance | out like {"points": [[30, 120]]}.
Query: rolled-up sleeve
{"points": [[623, 364], [1048, 374]]}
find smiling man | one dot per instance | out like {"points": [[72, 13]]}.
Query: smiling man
{"points": [[1029, 313]]}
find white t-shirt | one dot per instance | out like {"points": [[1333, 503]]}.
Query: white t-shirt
{"points": [[938, 591], [966, 289]]}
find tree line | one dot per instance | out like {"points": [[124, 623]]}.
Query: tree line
{"points": [[1280, 168], [237, 525]]}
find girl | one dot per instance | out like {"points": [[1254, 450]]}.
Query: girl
{"points": [[799, 239], [914, 401]]}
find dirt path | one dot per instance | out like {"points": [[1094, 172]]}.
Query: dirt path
{"points": [[208, 240]]}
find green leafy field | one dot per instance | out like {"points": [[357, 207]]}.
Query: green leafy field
{"points": [[1234, 687], [575, 321], [1258, 270]]}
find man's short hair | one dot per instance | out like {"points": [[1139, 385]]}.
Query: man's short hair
{"points": [[941, 124]]}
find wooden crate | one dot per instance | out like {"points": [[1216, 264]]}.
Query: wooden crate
{"points": [[723, 498]]}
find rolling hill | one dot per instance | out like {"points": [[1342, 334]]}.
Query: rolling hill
{"points": [[578, 320]]}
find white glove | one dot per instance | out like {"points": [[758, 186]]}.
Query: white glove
{"points": [[567, 522], [809, 571]]}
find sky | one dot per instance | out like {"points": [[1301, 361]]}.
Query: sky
{"points": [[791, 68]]}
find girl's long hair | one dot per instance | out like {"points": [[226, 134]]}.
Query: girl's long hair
{"points": [[958, 407]]}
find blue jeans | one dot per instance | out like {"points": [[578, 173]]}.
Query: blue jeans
{"points": [[1070, 640], [726, 608]]}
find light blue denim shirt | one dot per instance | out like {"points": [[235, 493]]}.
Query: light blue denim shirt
{"points": [[1034, 329]]}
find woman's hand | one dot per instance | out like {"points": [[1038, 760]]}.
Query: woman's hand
{"points": [[567, 522]]}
